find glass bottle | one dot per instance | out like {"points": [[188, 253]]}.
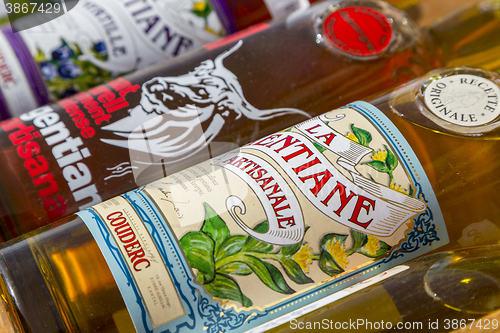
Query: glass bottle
{"points": [[91, 44], [238, 15], [97, 41], [443, 292], [461, 45], [259, 232], [74, 153]]}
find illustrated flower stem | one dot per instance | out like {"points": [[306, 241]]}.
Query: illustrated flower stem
{"points": [[239, 257]]}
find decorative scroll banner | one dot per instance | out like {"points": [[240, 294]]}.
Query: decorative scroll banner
{"points": [[359, 203], [283, 212], [349, 151]]}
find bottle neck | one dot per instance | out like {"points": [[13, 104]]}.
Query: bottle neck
{"points": [[8, 315]]}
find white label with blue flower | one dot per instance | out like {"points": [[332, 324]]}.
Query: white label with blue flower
{"points": [[99, 40]]}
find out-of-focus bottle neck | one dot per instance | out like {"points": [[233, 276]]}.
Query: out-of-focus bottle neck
{"points": [[391, 27], [8, 318], [468, 36]]}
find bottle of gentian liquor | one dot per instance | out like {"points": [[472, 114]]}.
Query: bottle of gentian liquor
{"points": [[259, 232], [97, 41], [97, 144]]}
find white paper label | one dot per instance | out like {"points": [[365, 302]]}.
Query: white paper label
{"points": [[465, 100]]}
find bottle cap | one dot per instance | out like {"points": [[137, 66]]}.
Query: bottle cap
{"points": [[462, 99], [358, 30], [457, 100]]}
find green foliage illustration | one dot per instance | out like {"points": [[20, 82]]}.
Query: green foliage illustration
{"points": [[219, 257], [203, 9], [384, 161]]}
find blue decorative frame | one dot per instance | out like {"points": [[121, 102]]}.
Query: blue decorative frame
{"points": [[204, 314]]}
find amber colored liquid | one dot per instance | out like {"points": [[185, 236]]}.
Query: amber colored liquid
{"points": [[282, 67], [470, 36], [463, 172], [61, 283], [63, 264], [404, 299]]}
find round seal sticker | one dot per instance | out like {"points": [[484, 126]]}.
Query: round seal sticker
{"points": [[463, 99], [357, 30]]}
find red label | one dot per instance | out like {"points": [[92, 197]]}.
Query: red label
{"points": [[357, 30]]}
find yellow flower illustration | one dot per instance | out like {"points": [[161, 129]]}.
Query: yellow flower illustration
{"points": [[372, 245], [303, 257], [337, 250], [200, 6], [398, 188], [352, 137], [380, 156]]}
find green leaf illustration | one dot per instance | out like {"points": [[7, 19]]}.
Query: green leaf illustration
{"points": [[319, 147], [231, 246], [292, 249], [294, 272], [202, 9], [235, 267], [364, 137], [77, 50], [359, 240], [64, 43], [378, 165], [199, 250], [40, 56], [225, 287], [328, 237], [268, 274], [328, 264], [214, 226], [254, 245], [384, 249], [391, 160]]}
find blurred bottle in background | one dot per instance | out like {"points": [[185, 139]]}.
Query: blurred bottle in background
{"points": [[96, 41], [239, 15], [98, 144], [469, 35]]}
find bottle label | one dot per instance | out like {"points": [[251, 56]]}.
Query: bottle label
{"points": [[15, 86], [106, 140], [259, 232], [463, 99], [358, 31], [99, 40]]}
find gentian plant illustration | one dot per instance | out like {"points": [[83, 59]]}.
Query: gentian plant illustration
{"points": [[66, 71], [219, 256], [382, 160]]}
